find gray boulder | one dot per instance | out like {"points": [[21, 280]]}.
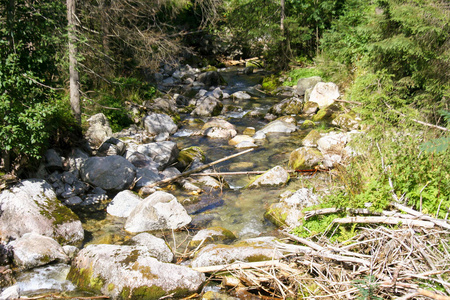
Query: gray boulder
{"points": [[274, 177], [52, 160], [33, 250], [210, 78], [163, 153], [146, 177], [157, 247], [98, 130], [241, 95], [76, 158], [130, 272], [307, 83], [219, 129], [280, 125], [111, 173], [245, 251], [324, 94], [32, 206], [158, 211], [159, 123], [207, 106], [123, 204]]}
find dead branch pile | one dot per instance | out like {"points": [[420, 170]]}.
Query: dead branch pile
{"points": [[378, 263]]}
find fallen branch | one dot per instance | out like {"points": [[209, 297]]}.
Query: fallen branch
{"points": [[384, 220], [197, 170], [440, 223], [334, 210]]}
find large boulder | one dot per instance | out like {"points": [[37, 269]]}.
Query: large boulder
{"points": [[251, 250], [274, 177], [111, 173], [290, 106], [219, 129], [158, 211], [98, 130], [131, 272], [280, 125], [324, 93], [123, 204], [304, 84], [159, 123], [157, 247], [33, 250], [305, 158], [207, 106], [163, 153], [32, 206]]}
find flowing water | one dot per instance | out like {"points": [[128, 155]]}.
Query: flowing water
{"points": [[235, 208]]}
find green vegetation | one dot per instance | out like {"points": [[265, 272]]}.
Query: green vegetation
{"points": [[295, 74]]}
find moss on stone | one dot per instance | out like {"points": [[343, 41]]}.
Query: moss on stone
{"points": [[85, 279], [276, 215], [149, 292]]}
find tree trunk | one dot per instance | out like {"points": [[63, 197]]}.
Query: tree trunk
{"points": [[74, 77]]}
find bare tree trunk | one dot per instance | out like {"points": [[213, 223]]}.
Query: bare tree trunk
{"points": [[74, 77]]}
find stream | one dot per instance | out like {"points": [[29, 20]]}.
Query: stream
{"points": [[235, 208]]}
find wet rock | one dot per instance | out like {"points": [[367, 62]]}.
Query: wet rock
{"points": [[246, 144], [281, 125], [305, 158], [246, 251], [130, 272], [156, 124], [288, 212], [95, 200], [211, 182], [219, 129], [241, 95], [239, 139], [346, 122], [210, 78], [205, 204], [170, 172], [33, 250], [207, 106], [290, 106], [158, 211], [310, 140], [32, 206], [123, 204], [307, 83], [274, 177], [112, 146], [52, 160], [324, 94], [12, 292], [163, 153], [249, 131], [188, 155], [259, 135], [157, 247], [146, 177], [111, 173], [98, 130], [211, 235], [248, 70]]}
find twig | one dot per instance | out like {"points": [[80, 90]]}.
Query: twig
{"points": [[196, 170], [438, 222], [384, 220], [237, 266]]}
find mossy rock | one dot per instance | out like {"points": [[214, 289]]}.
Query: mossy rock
{"points": [[188, 155], [310, 140], [270, 83], [212, 235], [346, 121], [327, 113], [305, 158], [310, 108], [308, 124], [276, 213]]}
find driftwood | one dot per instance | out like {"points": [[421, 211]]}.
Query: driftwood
{"points": [[384, 220], [440, 223], [197, 170]]}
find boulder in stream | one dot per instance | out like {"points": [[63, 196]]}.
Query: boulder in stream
{"points": [[111, 173], [219, 129], [32, 206], [211, 235], [290, 106], [207, 106], [324, 93], [251, 250], [280, 125], [159, 211], [98, 130], [304, 84], [305, 158], [131, 272], [163, 153], [276, 176], [159, 123], [123, 204], [157, 247], [33, 250]]}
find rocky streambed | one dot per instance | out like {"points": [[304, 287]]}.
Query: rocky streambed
{"points": [[100, 212]]}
